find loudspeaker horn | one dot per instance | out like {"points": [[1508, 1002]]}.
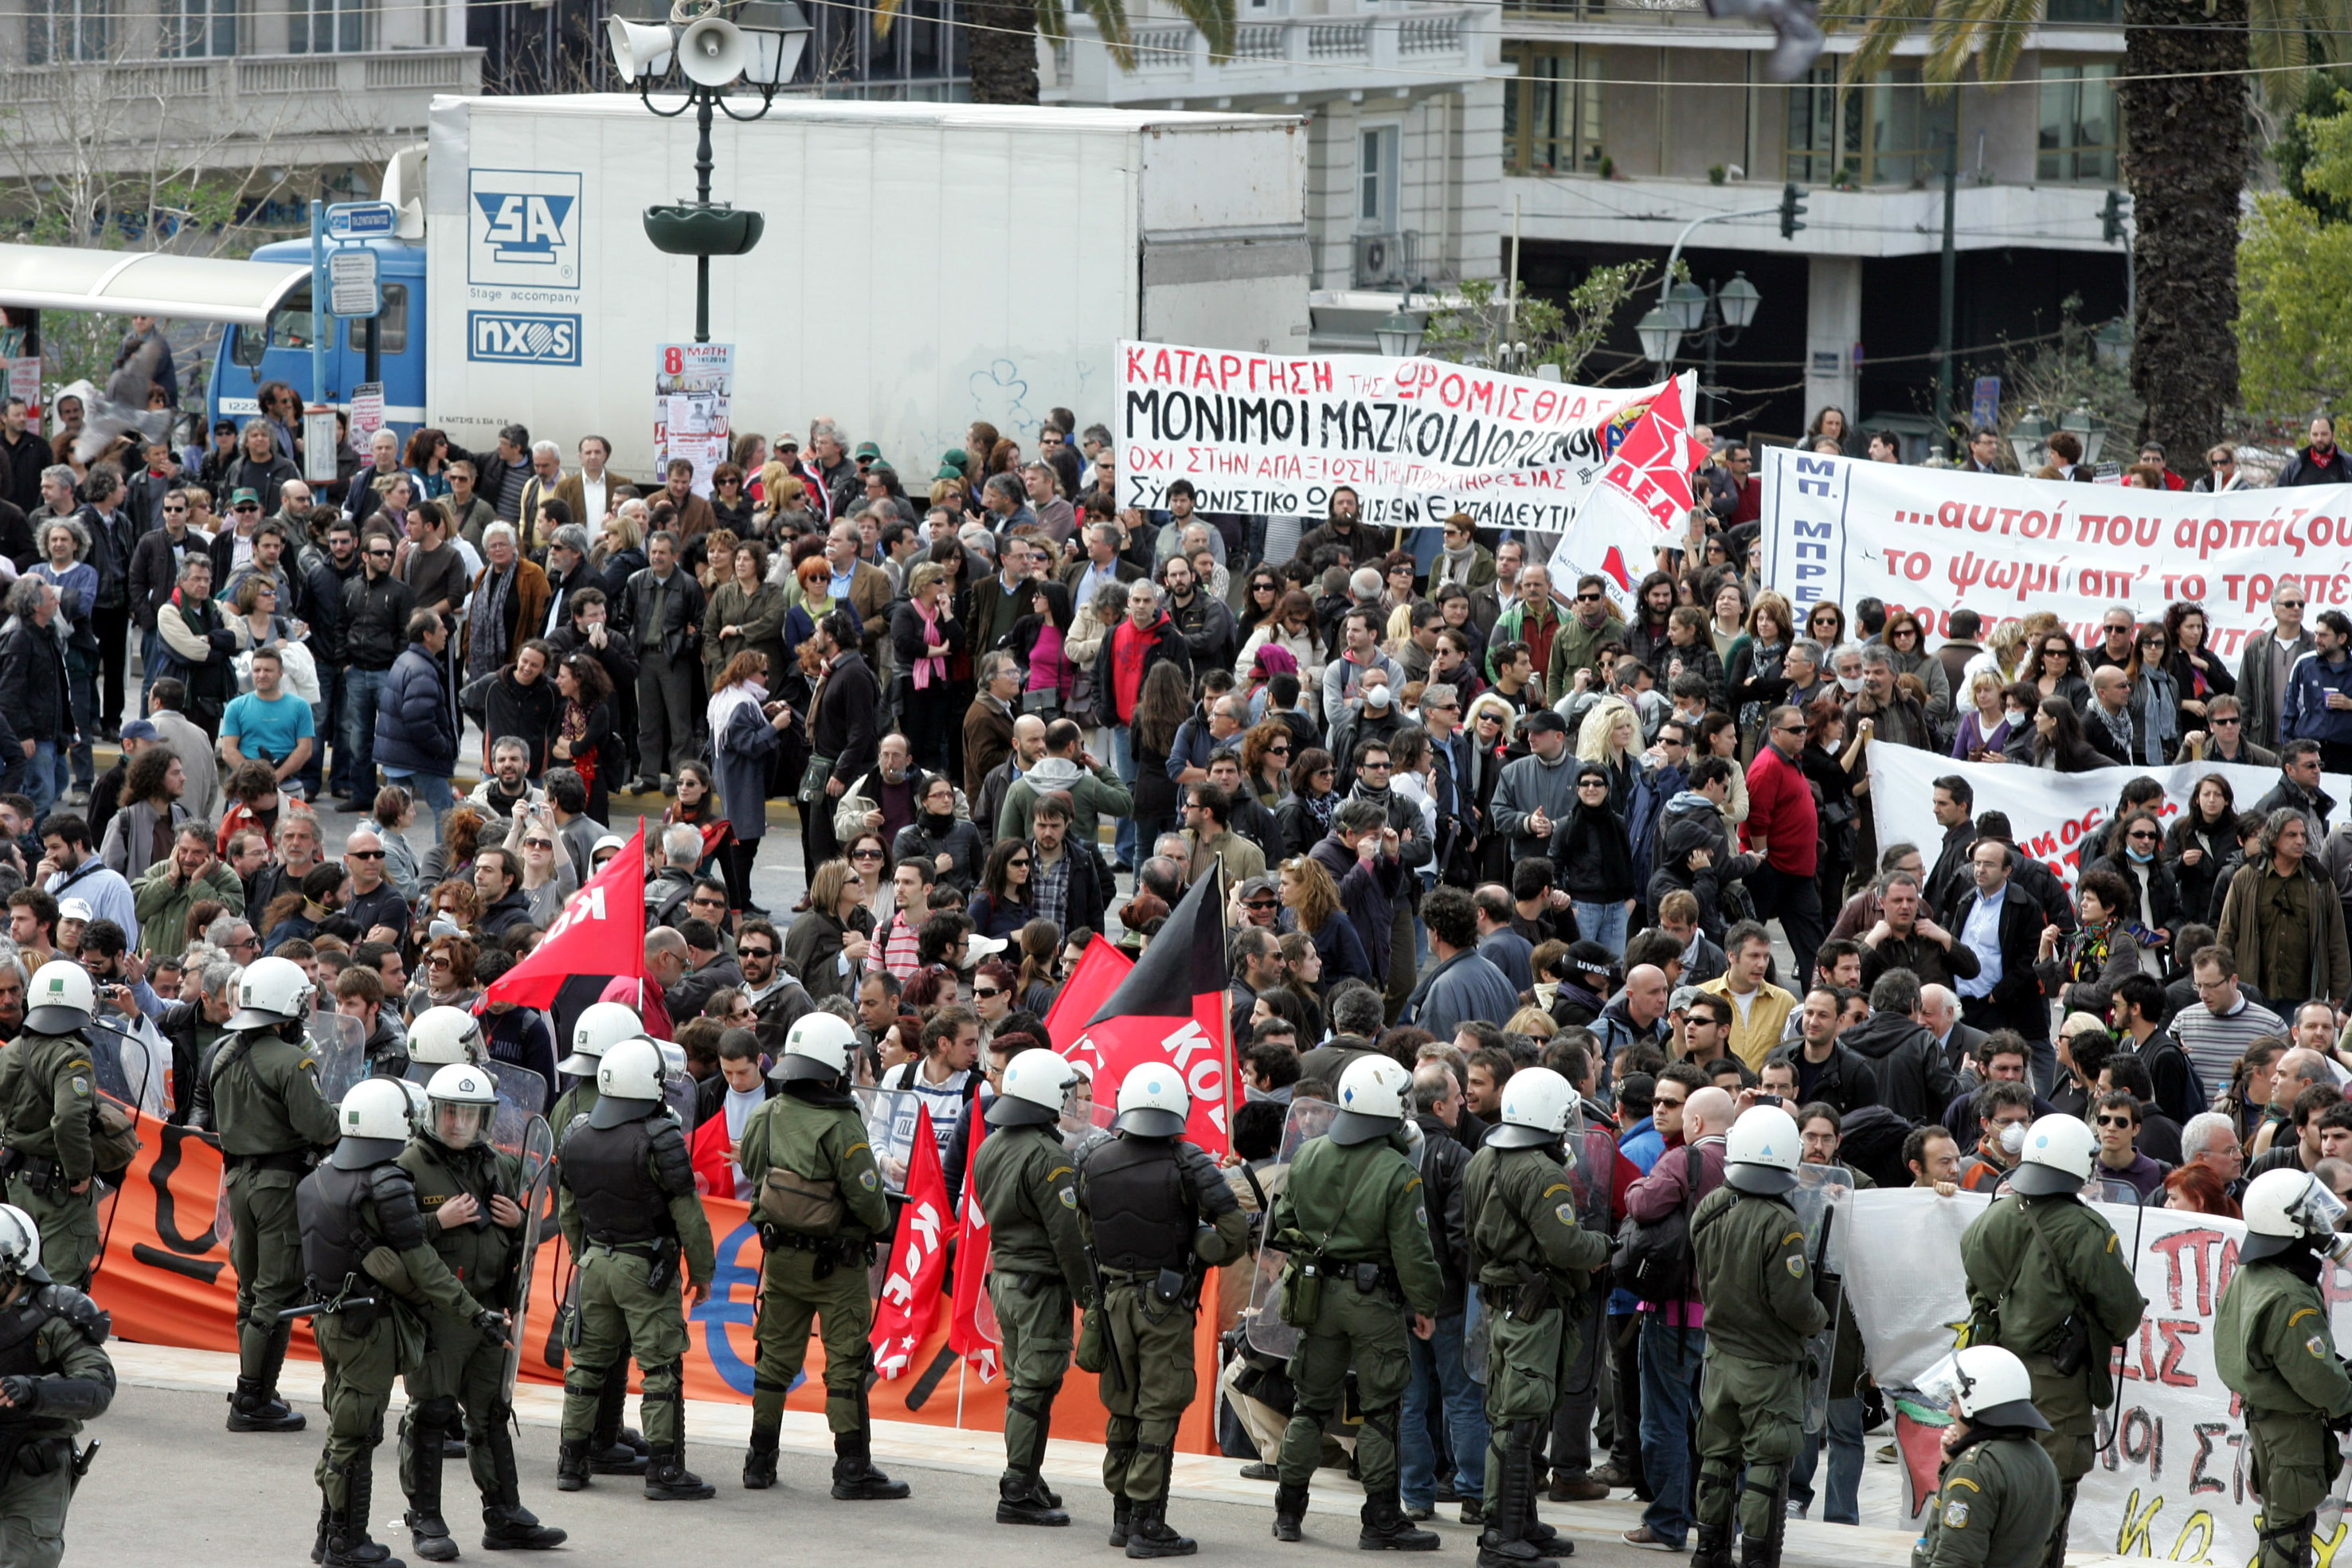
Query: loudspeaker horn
{"points": [[712, 52], [639, 49]]}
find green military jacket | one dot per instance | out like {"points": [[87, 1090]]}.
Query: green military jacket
{"points": [[1363, 1204], [1027, 1185], [819, 1141], [2272, 1347], [1749, 1265], [480, 1255], [1996, 1509], [48, 1093], [576, 1101], [1523, 1210], [2022, 1287], [267, 1101], [76, 1376]]}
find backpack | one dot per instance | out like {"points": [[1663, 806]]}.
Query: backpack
{"points": [[1652, 1258]]}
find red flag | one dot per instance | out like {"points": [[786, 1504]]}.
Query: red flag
{"points": [[601, 931], [910, 1293], [1100, 969], [964, 1335], [1172, 1007]]}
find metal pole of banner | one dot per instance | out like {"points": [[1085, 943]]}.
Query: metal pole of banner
{"points": [[961, 1363]]}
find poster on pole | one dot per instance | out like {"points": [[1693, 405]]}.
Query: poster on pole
{"points": [[25, 382], [693, 386], [1933, 541], [367, 410], [1418, 440]]}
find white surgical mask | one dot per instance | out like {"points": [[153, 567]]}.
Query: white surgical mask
{"points": [[1849, 683], [2013, 1137], [2014, 715]]}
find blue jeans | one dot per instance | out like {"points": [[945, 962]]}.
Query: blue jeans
{"points": [[427, 789], [1122, 760], [45, 775], [357, 766], [1843, 1503], [1437, 1370], [1671, 1360], [1603, 923]]}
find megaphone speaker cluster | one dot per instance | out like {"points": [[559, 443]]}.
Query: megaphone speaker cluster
{"points": [[712, 52]]}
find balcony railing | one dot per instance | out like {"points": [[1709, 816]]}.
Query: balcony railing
{"points": [[1171, 60], [229, 80]]}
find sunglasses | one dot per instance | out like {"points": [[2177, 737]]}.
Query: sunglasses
{"points": [[1023, 863], [1663, 1104], [2118, 1121], [1586, 598], [1261, 904], [743, 952], [363, 854], [2225, 718], [1277, 751], [707, 902], [438, 961], [538, 843], [866, 855], [980, 993]]}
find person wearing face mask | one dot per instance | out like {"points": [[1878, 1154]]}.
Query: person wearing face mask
{"points": [[2273, 1347], [2002, 1110]]}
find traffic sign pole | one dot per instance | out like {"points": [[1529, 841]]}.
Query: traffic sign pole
{"points": [[318, 393]]}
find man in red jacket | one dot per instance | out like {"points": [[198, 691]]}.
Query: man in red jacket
{"points": [[1783, 825]]}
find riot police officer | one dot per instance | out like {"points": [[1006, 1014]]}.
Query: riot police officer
{"points": [[630, 1216], [1353, 1220], [1026, 1183], [441, 1036], [54, 1375], [1156, 1211], [472, 1197], [1534, 1265], [817, 1196], [2048, 1281], [1997, 1499], [272, 1120], [49, 1099], [377, 1284], [2272, 1347], [1763, 1302], [613, 1450]]}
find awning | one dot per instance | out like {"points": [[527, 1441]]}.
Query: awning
{"points": [[146, 283]]}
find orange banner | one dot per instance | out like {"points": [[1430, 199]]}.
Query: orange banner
{"points": [[165, 1278]]}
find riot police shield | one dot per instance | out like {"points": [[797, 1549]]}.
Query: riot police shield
{"points": [[1308, 1120], [536, 1149], [1820, 1198], [1085, 1118], [677, 1084], [522, 1100], [121, 1064], [338, 1046], [892, 1117], [2111, 1189]]}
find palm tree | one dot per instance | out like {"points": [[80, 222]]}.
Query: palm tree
{"points": [[1002, 35], [2183, 104]]}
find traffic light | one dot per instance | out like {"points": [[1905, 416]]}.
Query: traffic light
{"points": [[1793, 207], [2111, 217]]}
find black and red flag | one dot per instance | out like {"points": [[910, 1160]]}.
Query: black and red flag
{"points": [[1172, 1007]]}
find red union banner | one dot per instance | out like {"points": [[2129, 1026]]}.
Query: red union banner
{"points": [[919, 1259], [1172, 1007], [601, 931]]}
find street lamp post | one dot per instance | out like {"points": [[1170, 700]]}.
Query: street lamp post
{"points": [[711, 54], [1715, 316]]}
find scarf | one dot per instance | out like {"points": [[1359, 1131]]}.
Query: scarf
{"points": [[929, 667], [1319, 808], [1763, 664], [727, 702], [2091, 950], [486, 643]]}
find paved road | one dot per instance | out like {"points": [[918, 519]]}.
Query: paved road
{"points": [[172, 1487]]}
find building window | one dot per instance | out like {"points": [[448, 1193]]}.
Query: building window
{"points": [[2107, 12], [330, 26], [1890, 132], [1376, 179], [2078, 135], [199, 29], [1552, 114], [58, 30]]}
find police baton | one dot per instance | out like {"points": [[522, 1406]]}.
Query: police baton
{"points": [[338, 1304]]}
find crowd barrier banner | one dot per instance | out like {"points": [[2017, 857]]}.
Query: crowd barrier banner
{"points": [[1933, 541], [2171, 1477], [1417, 439], [165, 1278], [2059, 818]]}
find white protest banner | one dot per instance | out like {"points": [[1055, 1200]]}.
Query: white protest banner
{"points": [[2170, 1480], [1640, 503], [1935, 540], [2058, 818], [1417, 440]]}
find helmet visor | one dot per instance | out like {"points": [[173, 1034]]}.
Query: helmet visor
{"points": [[1944, 1384], [2318, 1210], [458, 1126]]}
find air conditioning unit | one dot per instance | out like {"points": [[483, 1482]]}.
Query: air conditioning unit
{"points": [[1384, 260]]}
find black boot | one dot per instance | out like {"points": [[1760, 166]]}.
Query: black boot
{"points": [[1289, 1512], [668, 1480], [428, 1533], [348, 1545], [1712, 1547], [615, 1450], [854, 1479], [510, 1527], [251, 1409], [1151, 1537], [1386, 1529], [1505, 1542], [1122, 1517], [319, 1546], [759, 1459], [572, 1464], [1020, 1500]]}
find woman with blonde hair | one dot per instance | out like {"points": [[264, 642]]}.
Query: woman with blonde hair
{"points": [[1313, 900], [2003, 653], [620, 551], [1752, 674], [1612, 737], [924, 635]]}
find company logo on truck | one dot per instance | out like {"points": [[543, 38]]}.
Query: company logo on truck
{"points": [[521, 338], [523, 228]]}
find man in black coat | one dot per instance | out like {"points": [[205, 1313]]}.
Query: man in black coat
{"points": [[1827, 1068], [843, 728], [155, 562], [1997, 919], [1954, 797], [36, 710], [1913, 1081], [661, 612]]}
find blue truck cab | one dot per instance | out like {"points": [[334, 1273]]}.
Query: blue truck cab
{"points": [[249, 358]]}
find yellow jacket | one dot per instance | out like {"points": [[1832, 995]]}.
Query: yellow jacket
{"points": [[1753, 1037]]}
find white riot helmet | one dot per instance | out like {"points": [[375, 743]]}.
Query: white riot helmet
{"points": [[1152, 1103], [1988, 1384], [1761, 1152], [375, 1119], [2057, 1158], [420, 1104], [269, 992], [601, 1026], [460, 1104], [20, 1247], [816, 1047], [1371, 1101], [628, 1083], [1036, 1090], [2289, 1209], [442, 1035], [1536, 1103], [62, 999]]}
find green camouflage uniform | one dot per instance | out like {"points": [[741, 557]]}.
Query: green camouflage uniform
{"points": [[1749, 1266], [1027, 1185], [1996, 1507], [52, 1334], [272, 1118], [2273, 1349], [2024, 1289]]}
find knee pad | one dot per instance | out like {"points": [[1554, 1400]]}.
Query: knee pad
{"points": [[441, 1412], [499, 1414], [1384, 1421], [1717, 1472], [765, 1385]]}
